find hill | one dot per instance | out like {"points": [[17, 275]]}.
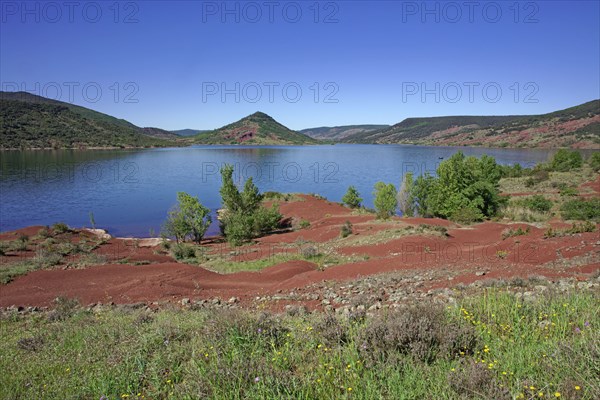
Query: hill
{"points": [[188, 132], [255, 129], [30, 121], [577, 127], [340, 132]]}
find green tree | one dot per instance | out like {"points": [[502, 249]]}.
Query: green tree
{"points": [[197, 217], [250, 197], [230, 195], [566, 160], [243, 217], [188, 218], [464, 185], [352, 198], [406, 201], [594, 161], [385, 200], [420, 192]]}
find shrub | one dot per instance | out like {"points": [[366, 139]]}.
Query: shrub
{"points": [[243, 217], [385, 200], [463, 185], [565, 160], [514, 232], [182, 251], [18, 245], [64, 309], [45, 258], [188, 218], [581, 209], [60, 227], [568, 191], [422, 332], [346, 229], [594, 161], [466, 215], [304, 224], [475, 381], [582, 227], [44, 233], [538, 203], [352, 198]]}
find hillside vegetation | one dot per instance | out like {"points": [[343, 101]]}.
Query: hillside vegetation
{"points": [[29, 121], [340, 132], [577, 127], [257, 129]]}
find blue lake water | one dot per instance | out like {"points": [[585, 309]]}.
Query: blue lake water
{"points": [[130, 191]]}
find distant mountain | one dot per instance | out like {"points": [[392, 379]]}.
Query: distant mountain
{"points": [[340, 132], [30, 121], [577, 127], [160, 133], [256, 129], [188, 132]]}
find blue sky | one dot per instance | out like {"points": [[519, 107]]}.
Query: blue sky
{"points": [[166, 64]]}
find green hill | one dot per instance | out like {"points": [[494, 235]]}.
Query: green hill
{"points": [[573, 127], [340, 132], [255, 129], [188, 132], [30, 121]]}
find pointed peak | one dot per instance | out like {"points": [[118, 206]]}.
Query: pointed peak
{"points": [[259, 115]]}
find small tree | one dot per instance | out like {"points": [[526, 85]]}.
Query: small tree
{"points": [[406, 201], [230, 195], [385, 200], [196, 216], [243, 217], [352, 198], [188, 218]]}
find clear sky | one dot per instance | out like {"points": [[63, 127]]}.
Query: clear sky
{"points": [[203, 64]]}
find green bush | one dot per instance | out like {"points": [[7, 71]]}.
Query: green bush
{"points": [[352, 198], [60, 227], [385, 200], [565, 160], [594, 161], [538, 203], [243, 217], [466, 188], [304, 224], [182, 251], [466, 215], [346, 229], [188, 219], [581, 209]]}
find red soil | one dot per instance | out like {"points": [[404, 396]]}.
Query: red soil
{"points": [[463, 252]]}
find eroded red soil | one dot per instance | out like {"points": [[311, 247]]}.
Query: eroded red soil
{"points": [[459, 256]]}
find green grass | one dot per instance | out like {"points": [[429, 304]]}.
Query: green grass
{"points": [[186, 354]]}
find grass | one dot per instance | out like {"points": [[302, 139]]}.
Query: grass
{"points": [[387, 235], [488, 346]]}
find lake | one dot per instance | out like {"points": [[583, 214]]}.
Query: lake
{"points": [[130, 191]]}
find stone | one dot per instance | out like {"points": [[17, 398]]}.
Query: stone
{"points": [[185, 301]]}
